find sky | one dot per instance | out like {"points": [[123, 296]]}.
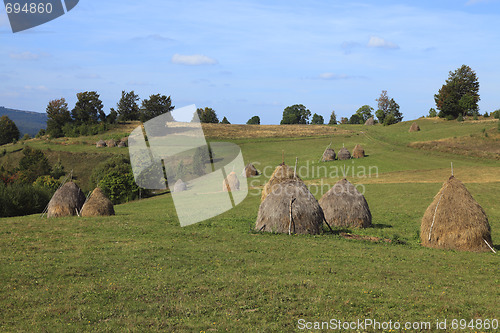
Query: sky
{"points": [[253, 57]]}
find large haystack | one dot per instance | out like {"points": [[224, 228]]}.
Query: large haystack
{"points": [[67, 201], [98, 205], [281, 173], [250, 171], [454, 220], [231, 183], [414, 128], [344, 206], [358, 152], [328, 155], [344, 154], [100, 144], [293, 196], [111, 143], [370, 122], [180, 186]]}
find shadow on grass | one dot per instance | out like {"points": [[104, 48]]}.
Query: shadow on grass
{"points": [[381, 226]]}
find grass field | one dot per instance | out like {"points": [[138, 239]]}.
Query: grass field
{"points": [[140, 271]]}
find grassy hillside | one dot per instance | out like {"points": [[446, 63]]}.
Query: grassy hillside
{"points": [[140, 271]]}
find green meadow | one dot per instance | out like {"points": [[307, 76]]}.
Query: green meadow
{"points": [[140, 271]]}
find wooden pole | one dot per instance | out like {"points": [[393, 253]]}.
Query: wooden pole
{"points": [[324, 219], [291, 219], [295, 170]]}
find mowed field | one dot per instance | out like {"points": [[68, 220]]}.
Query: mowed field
{"points": [[140, 271]]}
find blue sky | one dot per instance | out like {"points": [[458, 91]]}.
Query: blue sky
{"points": [[246, 58]]}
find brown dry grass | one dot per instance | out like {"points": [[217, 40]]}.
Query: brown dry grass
{"points": [[220, 131]]}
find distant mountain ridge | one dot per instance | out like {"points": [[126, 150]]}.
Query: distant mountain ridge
{"points": [[27, 121]]}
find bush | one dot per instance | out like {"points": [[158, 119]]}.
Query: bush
{"points": [[23, 199], [475, 116], [496, 114], [389, 120], [26, 137], [255, 120], [486, 115], [450, 117], [40, 133], [460, 118], [47, 182], [432, 112]]}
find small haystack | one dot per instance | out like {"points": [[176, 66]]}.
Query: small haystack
{"points": [[100, 144], [67, 201], [370, 122], [98, 205], [358, 152], [414, 127], [328, 155], [180, 186], [122, 144], [250, 171], [454, 220], [281, 173], [111, 143], [344, 154], [231, 183], [344, 206], [290, 208]]}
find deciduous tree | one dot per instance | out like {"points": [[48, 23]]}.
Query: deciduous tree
{"points": [[57, 116], [8, 130], [295, 114]]}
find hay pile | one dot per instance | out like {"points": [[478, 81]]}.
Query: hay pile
{"points": [[290, 194], [100, 144], [328, 155], [250, 171], [66, 201], [344, 206], [358, 152], [111, 143], [123, 143], [231, 183], [344, 154], [282, 173], [180, 186], [370, 122], [454, 220], [98, 205], [414, 128]]}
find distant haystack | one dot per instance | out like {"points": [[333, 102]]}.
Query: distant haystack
{"points": [[358, 152], [281, 173], [231, 183], [344, 206], [370, 122], [100, 144], [328, 155], [67, 201], [454, 220], [98, 205], [344, 154], [250, 171], [180, 186], [290, 208], [414, 127], [111, 143], [123, 142]]}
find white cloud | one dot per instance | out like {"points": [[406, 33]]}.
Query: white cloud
{"points": [[381, 43], [333, 76], [25, 56], [37, 88], [193, 60]]}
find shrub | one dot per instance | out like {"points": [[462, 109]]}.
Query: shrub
{"points": [[475, 116], [40, 133], [26, 137], [47, 182], [23, 199], [389, 120], [486, 115], [33, 164], [496, 114], [460, 118], [432, 112], [450, 117], [255, 120]]}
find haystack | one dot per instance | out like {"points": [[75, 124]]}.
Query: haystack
{"points": [[344, 154], [370, 122], [67, 201], [358, 152], [180, 186], [328, 155], [98, 205], [454, 220], [100, 144], [122, 144], [281, 173], [111, 143], [344, 206], [414, 127], [250, 171], [231, 183], [290, 197]]}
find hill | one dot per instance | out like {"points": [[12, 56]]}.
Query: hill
{"points": [[27, 121]]}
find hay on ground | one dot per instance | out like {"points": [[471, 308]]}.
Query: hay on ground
{"points": [[344, 154], [100, 144], [66, 201], [180, 186], [344, 206], [231, 183], [122, 144], [370, 122], [414, 127], [328, 155], [274, 211], [358, 152], [281, 173], [250, 171], [98, 205], [111, 143], [454, 220]]}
